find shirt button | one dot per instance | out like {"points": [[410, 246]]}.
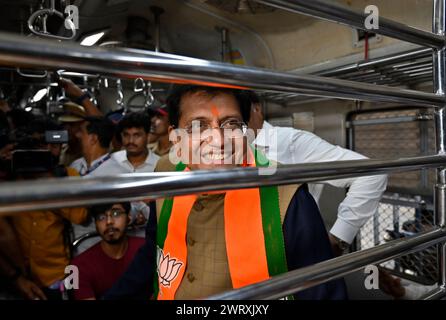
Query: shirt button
{"points": [[198, 206], [34, 223], [190, 277], [33, 241], [190, 241]]}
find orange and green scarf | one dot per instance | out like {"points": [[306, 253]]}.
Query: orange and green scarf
{"points": [[253, 232]]}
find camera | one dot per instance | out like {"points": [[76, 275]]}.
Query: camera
{"points": [[30, 156]]}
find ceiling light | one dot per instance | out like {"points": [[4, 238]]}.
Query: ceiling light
{"points": [[39, 95], [92, 39]]}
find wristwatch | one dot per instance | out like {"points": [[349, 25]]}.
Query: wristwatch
{"points": [[341, 243]]}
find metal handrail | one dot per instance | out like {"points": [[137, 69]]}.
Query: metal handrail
{"points": [[72, 192], [304, 278], [16, 50], [328, 10]]}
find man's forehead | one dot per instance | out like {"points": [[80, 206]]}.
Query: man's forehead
{"points": [[133, 129], [201, 104], [117, 206]]}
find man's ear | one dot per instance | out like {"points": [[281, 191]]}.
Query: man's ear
{"points": [[93, 139], [129, 218], [169, 131]]}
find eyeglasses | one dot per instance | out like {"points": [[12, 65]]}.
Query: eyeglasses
{"points": [[230, 124], [113, 213]]}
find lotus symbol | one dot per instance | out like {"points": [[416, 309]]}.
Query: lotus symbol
{"points": [[168, 268]]}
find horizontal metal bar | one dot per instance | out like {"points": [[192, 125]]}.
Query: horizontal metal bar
{"points": [[71, 192], [404, 203], [390, 120], [436, 294], [307, 277], [39, 53], [331, 11]]}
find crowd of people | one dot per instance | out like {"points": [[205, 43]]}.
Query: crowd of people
{"points": [[193, 246]]}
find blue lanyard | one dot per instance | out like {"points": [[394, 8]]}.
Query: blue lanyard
{"points": [[97, 164]]}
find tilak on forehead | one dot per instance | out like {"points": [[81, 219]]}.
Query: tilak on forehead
{"points": [[214, 110]]}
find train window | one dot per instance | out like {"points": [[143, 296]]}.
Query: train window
{"points": [[406, 208]]}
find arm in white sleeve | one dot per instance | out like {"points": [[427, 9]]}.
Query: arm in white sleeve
{"points": [[362, 199]]}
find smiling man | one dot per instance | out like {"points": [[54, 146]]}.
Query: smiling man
{"points": [[213, 242], [209, 243]]}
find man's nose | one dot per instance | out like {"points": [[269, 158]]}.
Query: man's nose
{"points": [[109, 220], [216, 138]]}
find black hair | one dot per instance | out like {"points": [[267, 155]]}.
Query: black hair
{"points": [[252, 96], [103, 128], [101, 208], [135, 120], [174, 100]]}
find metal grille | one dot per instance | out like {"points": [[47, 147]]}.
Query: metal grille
{"points": [[401, 216], [406, 207], [396, 134]]}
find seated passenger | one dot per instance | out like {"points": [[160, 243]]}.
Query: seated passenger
{"points": [[214, 242], [101, 265]]}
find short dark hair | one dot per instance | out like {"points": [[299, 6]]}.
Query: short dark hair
{"points": [[135, 120], [103, 128], [252, 96], [174, 100], [101, 208]]}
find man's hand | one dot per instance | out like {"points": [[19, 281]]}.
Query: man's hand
{"points": [[337, 250], [390, 285], [72, 90], [29, 289]]}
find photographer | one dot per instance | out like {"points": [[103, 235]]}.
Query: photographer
{"points": [[43, 235]]}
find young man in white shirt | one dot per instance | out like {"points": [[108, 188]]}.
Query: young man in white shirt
{"points": [[134, 129], [136, 157], [292, 146]]}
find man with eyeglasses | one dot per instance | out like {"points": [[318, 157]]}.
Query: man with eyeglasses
{"points": [[217, 241], [101, 265]]}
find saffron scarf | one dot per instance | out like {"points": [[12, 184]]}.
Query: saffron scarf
{"points": [[253, 232]]}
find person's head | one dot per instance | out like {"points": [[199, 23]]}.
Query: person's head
{"points": [[134, 129], [256, 118], [159, 122], [95, 133], [72, 119], [111, 221], [207, 111]]}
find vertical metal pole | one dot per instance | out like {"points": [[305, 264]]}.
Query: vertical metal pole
{"points": [[438, 27], [157, 12]]}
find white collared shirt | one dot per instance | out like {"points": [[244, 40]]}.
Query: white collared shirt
{"points": [[119, 164], [81, 165], [293, 146]]}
